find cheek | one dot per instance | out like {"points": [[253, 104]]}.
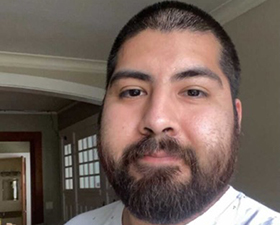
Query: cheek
{"points": [[210, 134], [116, 131], [114, 119]]}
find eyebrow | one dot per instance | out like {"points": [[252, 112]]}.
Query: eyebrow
{"points": [[196, 72], [129, 74]]}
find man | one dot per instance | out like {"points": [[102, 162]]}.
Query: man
{"points": [[170, 124]]}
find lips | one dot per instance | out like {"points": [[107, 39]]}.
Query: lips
{"points": [[159, 157], [159, 154]]}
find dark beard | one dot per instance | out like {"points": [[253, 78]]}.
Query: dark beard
{"points": [[159, 198]]}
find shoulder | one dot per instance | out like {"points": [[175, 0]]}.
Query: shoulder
{"points": [[252, 212], [110, 214]]}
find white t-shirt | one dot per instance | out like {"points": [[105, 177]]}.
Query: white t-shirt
{"points": [[233, 208], [107, 215]]}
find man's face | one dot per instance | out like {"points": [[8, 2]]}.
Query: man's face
{"points": [[168, 121]]}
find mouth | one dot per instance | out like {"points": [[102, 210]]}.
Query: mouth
{"points": [[159, 158]]}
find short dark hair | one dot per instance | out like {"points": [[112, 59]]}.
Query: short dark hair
{"points": [[172, 15]]}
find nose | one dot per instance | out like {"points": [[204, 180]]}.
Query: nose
{"points": [[159, 116]]}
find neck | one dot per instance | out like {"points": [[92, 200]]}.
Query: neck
{"points": [[129, 219]]}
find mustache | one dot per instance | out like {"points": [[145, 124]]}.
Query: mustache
{"points": [[150, 145]]}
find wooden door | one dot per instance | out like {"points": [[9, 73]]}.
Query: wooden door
{"points": [[89, 175], [69, 180], [85, 186]]}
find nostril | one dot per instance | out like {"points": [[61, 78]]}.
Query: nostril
{"points": [[148, 131], [166, 130]]}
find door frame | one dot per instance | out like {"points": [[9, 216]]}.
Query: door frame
{"points": [[35, 140]]}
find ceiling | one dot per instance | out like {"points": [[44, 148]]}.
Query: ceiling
{"points": [[69, 28]]}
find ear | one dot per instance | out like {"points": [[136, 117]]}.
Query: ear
{"points": [[238, 106]]}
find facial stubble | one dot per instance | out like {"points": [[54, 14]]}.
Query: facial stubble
{"points": [[158, 197]]}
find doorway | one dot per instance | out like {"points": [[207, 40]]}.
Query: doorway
{"points": [[35, 141], [18, 150], [13, 205]]}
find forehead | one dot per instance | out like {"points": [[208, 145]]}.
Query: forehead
{"points": [[157, 53]]}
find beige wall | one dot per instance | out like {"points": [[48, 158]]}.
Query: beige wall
{"points": [[14, 147], [51, 156], [257, 38]]}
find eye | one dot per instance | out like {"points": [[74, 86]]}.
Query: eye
{"points": [[131, 93], [195, 93]]}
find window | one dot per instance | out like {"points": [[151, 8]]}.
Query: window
{"points": [[68, 167], [89, 168]]}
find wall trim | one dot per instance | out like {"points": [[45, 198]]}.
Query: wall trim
{"points": [[233, 8], [53, 87], [46, 62]]}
